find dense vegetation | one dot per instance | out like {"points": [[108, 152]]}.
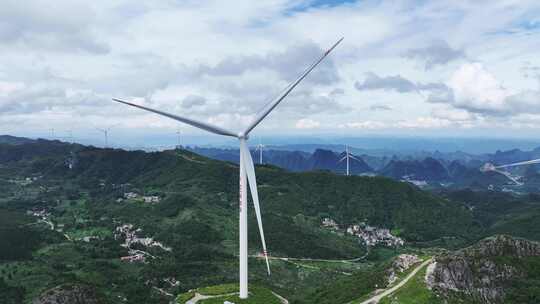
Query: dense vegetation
{"points": [[498, 212], [350, 288], [197, 218]]}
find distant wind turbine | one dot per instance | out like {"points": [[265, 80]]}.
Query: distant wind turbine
{"points": [[347, 156], [247, 169], [260, 148], [105, 134], [179, 134], [491, 167]]}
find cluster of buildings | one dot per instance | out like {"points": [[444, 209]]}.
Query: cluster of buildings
{"points": [[24, 181], [370, 235], [129, 234], [330, 223], [43, 215], [145, 198]]}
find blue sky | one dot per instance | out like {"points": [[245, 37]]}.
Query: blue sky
{"points": [[405, 68]]}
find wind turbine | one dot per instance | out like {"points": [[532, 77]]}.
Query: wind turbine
{"points": [[105, 134], [247, 169], [491, 167], [347, 156], [260, 148], [179, 133]]}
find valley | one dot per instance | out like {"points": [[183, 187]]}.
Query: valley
{"points": [[135, 227]]}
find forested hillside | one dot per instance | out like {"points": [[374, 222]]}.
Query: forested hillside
{"points": [[75, 205]]}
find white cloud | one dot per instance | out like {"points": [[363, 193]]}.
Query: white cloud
{"points": [[477, 91], [306, 123], [476, 88], [222, 61], [424, 123], [366, 125], [453, 114], [7, 88]]}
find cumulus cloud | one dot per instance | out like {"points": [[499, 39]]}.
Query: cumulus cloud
{"points": [[223, 61], [530, 70], [7, 87], [457, 115], [389, 83], [288, 64], [193, 101], [306, 123], [474, 89], [424, 123], [366, 125], [396, 83], [336, 92], [437, 53], [380, 107], [62, 25]]}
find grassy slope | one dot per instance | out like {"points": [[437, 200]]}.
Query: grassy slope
{"points": [[413, 292]]}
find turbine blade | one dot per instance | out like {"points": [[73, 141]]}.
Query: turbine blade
{"points": [[262, 114], [344, 158], [189, 121], [509, 176], [527, 162], [353, 157], [252, 180]]}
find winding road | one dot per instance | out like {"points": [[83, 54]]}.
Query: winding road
{"points": [[377, 298]]}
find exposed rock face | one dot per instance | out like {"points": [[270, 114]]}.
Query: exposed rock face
{"points": [[477, 271], [400, 264], [69, 294]]}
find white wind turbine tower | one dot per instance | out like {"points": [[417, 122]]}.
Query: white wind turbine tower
{"points": [[179, 134], [260, 148], [105, 134], [247, 169], [347, 156]]}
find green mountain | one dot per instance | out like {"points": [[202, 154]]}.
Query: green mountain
{"points": [[81, 208]]}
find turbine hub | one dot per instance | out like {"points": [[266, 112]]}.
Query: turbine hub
{"points": [[242, 135]]}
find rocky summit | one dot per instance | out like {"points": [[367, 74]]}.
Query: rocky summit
{"points": [[486, 272]]}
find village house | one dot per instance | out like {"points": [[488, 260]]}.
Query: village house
{"points": [[130, 195], [330, 223], [151, 199]]}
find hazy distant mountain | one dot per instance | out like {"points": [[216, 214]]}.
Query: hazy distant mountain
{"points": [[428, 169], [323, 160], [456, 170], [293, 160], [13, 140]]}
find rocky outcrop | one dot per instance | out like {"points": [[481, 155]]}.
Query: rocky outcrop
{"points": [[481, 271], [69, 294], [400, 264]]}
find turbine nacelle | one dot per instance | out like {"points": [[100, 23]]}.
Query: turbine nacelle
{"points": [[488, 167], [243, 135]]}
